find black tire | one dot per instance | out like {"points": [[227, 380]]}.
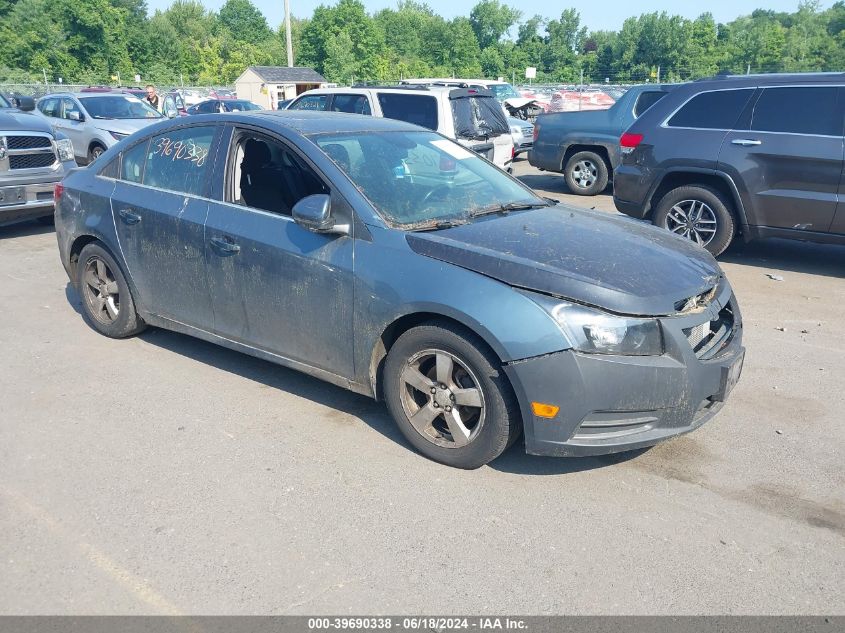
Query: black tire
{"points": [[586, 174], [107, 302], [490, 428], [95, 152], [674, 213]]}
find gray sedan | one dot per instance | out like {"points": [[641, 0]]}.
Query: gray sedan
{"points": [[96, 121], [392, 261]]}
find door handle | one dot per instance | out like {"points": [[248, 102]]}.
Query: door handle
{"points": [[129, 217], [225, 247], [746, 142]]}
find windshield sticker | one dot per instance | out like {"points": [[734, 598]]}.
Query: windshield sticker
{"points": [[182, 150], [454, 150]]}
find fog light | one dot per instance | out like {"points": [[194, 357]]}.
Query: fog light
{"points": [[542, 410]]}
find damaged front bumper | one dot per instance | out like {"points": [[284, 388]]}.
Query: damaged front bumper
{"points": [[610, 404]]}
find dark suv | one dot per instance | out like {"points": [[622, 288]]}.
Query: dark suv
{"points": [[759, 156]]}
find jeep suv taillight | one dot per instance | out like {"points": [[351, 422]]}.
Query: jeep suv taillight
{"points": [[629, 142]]}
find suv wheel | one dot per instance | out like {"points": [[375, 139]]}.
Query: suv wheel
{"points": [[449, 396], [699, 214], [586, 174], [95, 152]]}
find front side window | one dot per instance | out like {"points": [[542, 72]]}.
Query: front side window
{"points": [[718, 110], [68, 106], [799, 110], [266, 174], [354, 104], [178, 160], [417, 109], [118, 107], [311, 102], [418, 180]]}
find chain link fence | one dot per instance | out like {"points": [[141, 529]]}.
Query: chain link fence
{"points": [[41, 89]]}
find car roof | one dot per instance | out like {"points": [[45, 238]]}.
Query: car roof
{"points": [[90, 95], [769, 79], [313, 122]]}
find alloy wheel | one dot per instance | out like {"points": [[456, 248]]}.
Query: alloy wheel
{"points": [[442, 398], [584, 174], [694, 220], [100, 291]]}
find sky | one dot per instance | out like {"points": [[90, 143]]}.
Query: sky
{"points": [[596, 15]]}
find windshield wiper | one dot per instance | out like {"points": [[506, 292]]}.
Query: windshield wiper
{"points": [[508, 207], [437, 225]]}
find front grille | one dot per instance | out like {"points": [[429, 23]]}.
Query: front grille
{"points": [[27, 142], [31, 161], [708, 338]]}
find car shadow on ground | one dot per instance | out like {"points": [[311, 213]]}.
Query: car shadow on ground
{"points": [[25, 228], [791, 255], [556, 183], [373, 414]]}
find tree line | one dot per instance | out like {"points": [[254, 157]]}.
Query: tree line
{"points": [[92, 41]]}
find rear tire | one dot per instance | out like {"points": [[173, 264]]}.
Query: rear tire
{"points": [[107, 302], [449, 396], [586, 174], [700, 214]]}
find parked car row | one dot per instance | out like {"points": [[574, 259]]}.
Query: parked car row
{"points": [[732, 157]]}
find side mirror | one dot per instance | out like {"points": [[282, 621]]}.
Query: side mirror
{"points": [[73, 115], [314, 213], [25, 104]]}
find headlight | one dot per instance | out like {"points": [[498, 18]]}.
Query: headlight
{"points": [[118, 136], [65, 149], [595, 332]]}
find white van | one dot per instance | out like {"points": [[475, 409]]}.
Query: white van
{"points": [[471, 116]]}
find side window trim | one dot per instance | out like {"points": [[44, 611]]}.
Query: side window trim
{"points": [[839, 99]]}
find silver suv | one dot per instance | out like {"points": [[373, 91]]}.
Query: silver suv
{"points": [[32, 160], [96, 121], [470, 116]]}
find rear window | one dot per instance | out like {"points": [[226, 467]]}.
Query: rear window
{"points": [[717, 110], [478, 117], [811, 110], [646, 100], [417, 109]]}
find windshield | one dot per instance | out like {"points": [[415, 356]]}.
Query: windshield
{"points": [[479, 117], [419, 180], [503, 91], [118, 107]]}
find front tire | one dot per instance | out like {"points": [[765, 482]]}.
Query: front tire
{"points": [[107, 302], [95, 152], [699, 214], [586, 174], [449, 396]]}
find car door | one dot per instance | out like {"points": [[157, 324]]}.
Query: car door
{"points": [[275, 285], [73, 125], [160, 206], [789, 157]]}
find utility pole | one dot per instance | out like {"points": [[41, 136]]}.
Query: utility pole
{"points": [[658, 74], [45, 75], [748, 70], [287, 34]]}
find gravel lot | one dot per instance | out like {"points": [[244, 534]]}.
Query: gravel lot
{"points": [[162, 474]]}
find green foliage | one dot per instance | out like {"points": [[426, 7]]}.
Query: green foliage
{"points": [[90, 41]]}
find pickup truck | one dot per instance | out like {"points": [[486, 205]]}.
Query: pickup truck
{"points": [[584, 146], [33, 159]]}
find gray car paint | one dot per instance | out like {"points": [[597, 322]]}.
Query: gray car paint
{"points": [[330, 304]]}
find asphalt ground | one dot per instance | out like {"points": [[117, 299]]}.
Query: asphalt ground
{"points": [[165, 475]]}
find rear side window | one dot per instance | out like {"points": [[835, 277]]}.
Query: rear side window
{"points": [[312, 102], [417, 109], [178, 160], [717, 110], [646, 100], [132, 163], [354, 104], [478, 116], [811, 110]]}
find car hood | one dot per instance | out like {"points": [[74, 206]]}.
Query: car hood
{"points": [[124, 126], [12, 120], [622, 265]]}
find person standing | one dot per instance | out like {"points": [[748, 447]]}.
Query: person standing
{"points": [[153, 98]]}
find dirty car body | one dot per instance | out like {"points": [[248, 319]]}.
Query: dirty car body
{"points": [[633, 334]]}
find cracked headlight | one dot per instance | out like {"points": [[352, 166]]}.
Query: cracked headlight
{"points": [[596, 332], [65, 149]]}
